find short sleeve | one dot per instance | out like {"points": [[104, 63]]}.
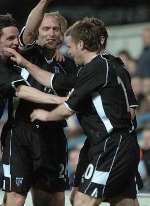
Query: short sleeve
{"points": [[124, 75], [9, 80], [130, 93], [93, 77], [22, 45], [65, 80], [62, 82]]}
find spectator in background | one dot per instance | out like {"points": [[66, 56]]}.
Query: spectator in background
{"points": [[145, 105], [137, 85], [129, 61], [146, 138], [143, 66], [146, 85], [146, 156]]}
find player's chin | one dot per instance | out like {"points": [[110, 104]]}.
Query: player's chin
{"points": [[51, 46]]}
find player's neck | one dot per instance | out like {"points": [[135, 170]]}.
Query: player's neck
{"points": [[88, 57], [49, 53]]}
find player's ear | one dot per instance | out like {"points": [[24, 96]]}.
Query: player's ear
{"points": [[81, 45]]}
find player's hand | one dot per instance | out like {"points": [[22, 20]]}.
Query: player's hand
{"points": [[15, 56], [61, 100], [73, 192], [39, 114], [58, 56]]}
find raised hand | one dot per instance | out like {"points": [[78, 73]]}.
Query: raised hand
{"points": [[58, 56]]}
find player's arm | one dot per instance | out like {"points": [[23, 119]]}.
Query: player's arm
{"points": [[34, 20], [35, 95], [60, 113], [85, 84], [61, 82], [42, 76], [131, 96], [11, 84]]}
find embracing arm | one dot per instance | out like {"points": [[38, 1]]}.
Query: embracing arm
{"points": [[60, 113], [35, 95], [34, 20], [42, 76]]}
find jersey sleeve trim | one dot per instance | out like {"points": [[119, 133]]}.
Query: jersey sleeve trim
{"points": [[107, 66], [68, 107], [22, 45], [134, 106], [19, 82], [51, 81]]}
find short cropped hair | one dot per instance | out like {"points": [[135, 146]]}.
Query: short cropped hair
{"points": [[6, 20], [87, 32]]}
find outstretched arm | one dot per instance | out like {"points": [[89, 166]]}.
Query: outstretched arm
{"points": [[34, 20], [39, 74], [42, 76], [35, 95]]}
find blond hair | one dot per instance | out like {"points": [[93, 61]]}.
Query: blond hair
{"points": [[61, 20]]}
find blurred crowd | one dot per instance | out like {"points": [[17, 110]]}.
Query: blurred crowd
{"points": [[139, 70]]}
